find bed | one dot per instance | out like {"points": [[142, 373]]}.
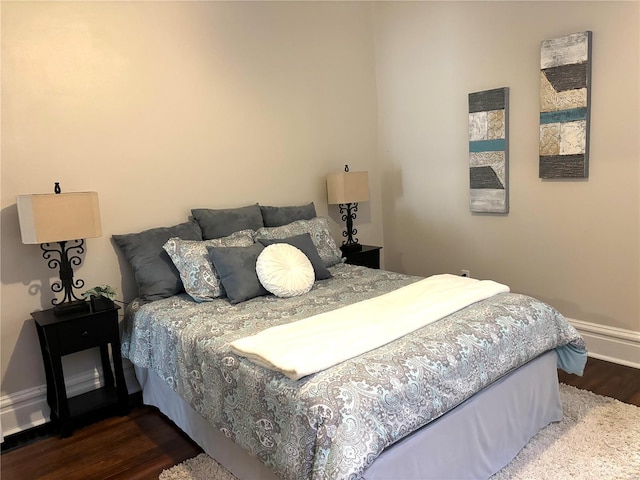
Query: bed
{"points": [[457, 398]]}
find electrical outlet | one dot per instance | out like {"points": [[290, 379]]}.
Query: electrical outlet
{"points": [[465, 273]]}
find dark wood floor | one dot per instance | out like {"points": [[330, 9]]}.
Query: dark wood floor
{"points": [[135, 447], [608, 379], [142, 444]]}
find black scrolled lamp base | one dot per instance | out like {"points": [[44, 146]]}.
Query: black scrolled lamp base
{"points": [[70, 303], [348, 211]]}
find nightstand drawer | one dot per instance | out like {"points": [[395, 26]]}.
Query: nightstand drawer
{"points": [[81, 334]]}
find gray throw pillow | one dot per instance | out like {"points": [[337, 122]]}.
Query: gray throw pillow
{"points": [[278, 216], [217, 223], [305, 244], [236, 267], [155, 273]]}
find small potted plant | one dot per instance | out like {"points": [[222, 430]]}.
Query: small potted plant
{"points": [[100, 297]]}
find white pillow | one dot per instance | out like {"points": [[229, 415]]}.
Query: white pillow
{"points": [[284, 270]]}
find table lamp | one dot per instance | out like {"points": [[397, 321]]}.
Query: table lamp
{"points": [[66, 219], [346, 189]]}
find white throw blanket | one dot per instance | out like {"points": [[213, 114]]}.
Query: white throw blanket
{"points": [[313, 344]]}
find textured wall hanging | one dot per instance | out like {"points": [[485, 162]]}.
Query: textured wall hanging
{"points": [[565, 84], [488, 151]]}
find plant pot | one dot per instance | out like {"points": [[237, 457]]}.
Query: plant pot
{"points": [[98, 304]]}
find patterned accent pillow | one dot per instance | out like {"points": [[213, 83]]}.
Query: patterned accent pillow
{"points": [[201, 281], [317, 227]]}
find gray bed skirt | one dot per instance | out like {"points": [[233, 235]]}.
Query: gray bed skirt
{"points": [[472, 441]]}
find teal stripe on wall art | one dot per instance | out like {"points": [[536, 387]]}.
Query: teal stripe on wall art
{"points": [[496, 145], [563, 116]]}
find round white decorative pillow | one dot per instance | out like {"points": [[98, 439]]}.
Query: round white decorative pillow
{"points": [[284, 270]]}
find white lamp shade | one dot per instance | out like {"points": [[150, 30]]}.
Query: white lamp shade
{"points": [[46, 218], [347, 187]]}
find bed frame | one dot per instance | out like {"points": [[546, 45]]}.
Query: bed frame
{"points": [[474, 440]]}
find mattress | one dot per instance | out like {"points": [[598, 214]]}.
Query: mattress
{"points": [[335, 423]]}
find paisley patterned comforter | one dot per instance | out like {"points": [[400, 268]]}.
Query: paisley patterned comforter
{"points": [[333, 424]]}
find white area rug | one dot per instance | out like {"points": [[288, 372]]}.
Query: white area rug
{"points": [[598, 438]]}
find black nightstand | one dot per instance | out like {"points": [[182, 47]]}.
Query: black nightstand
{"points": [[62, 335], [369, 256]]}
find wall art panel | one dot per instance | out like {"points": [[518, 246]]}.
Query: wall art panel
{"points": [[565, 83], [488, 151]]}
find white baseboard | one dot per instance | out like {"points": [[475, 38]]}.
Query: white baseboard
{"points": [[612, 344], [28, 408]]}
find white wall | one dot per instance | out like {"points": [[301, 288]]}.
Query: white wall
{"points": [[574, 244], [165, 106]]}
